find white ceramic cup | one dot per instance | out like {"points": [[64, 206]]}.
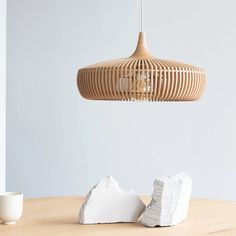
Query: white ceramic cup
{"points": [[11, 207]]}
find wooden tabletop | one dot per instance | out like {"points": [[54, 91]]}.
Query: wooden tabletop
{"points": [[59, 216]]}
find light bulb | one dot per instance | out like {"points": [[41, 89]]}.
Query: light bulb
{"points": [[136, 83], [141, 84]]}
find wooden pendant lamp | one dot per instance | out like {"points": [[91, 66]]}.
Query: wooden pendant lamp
{"points": [[141, 77]]}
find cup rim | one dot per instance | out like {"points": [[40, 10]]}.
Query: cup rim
{"points": [[8, 194]]}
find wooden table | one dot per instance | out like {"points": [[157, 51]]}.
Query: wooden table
{"points": [[58, 216]]}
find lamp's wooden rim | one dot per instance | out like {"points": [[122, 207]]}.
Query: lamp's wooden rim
{"points": [[160, 63]]}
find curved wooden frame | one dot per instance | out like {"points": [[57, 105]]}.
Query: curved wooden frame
{"points": [[141, 77]]}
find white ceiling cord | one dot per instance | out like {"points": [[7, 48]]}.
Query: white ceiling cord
{"points": [[141, 15]]}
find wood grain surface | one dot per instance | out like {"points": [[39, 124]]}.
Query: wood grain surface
{"points": [[59, 216]]}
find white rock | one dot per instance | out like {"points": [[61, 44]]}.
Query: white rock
{"points": [[108, 203], [170, 201]]}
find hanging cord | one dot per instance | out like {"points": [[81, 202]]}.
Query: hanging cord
{"points": [[141, 15]]}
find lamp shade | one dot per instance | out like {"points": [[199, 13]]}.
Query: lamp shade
{"points": [[141, 77]]}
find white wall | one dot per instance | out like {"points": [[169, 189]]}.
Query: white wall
{"points": [[59, 143], [2, 93]]}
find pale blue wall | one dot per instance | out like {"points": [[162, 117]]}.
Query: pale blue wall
{"points": [[61, 144]]}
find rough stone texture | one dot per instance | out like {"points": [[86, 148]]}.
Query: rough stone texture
{"points": [[170, 201], [108, 203]]}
